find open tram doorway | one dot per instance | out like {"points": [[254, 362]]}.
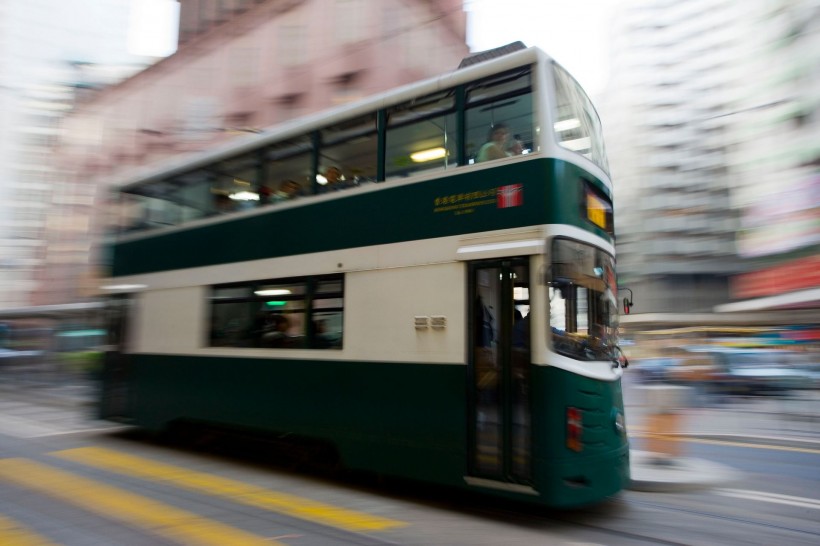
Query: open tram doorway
{"points": [[499, 371], [115, 402]]}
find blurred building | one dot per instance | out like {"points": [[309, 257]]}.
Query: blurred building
{"points": [[776, 162], [241, 65], [713, 139], [50, 50]]}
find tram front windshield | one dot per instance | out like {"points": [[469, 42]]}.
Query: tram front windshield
{"points": [[583, 301]]}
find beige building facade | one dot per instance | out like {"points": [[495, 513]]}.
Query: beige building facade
{"points": [[241, 66]]}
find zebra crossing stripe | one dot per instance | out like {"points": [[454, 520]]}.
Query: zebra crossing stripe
{"points": [[234, 490], [113, 503], [15, 534]]}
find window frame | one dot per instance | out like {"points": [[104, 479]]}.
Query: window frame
{"points": [[561, 81], [478, 104], [310, 293], [577, 340]]}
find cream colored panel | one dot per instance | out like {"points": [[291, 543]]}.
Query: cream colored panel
{"points": [[539, 295], [381, 307], [170, 321]]}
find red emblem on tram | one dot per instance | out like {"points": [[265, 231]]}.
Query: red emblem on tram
{"points": [[511, 195]]}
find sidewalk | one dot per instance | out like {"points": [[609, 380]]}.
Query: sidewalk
{"points": [[793, 421], [65, 390]]}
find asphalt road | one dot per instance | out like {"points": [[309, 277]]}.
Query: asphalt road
{"points": [[65, 479]]}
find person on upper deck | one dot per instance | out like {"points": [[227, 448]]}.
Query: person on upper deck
{"points": [[288, 189], [516, 147], [223, 204], [496, 145], [334, 180]]}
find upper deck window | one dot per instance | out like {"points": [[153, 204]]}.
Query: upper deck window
{"points": [[287, 163], [351, 147], [577, 125], [436, 131], [234, 183], [500, 116], [421, 135], [170, 202]]}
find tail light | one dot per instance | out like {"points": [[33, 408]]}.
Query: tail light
{"points": [[575, 428]]}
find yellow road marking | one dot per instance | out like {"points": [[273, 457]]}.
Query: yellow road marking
{"points": [[692, 440], [234, 490], [165, 520], [15, 534]]}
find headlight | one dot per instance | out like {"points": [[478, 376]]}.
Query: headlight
{"points": [[620, 423]]}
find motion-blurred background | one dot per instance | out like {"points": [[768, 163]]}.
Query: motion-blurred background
{"points": [[710, 109]]}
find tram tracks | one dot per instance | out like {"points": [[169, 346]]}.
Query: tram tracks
{"points": [[630, 520], [746, 527], [756, 523]]}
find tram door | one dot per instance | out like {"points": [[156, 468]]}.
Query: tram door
{"points": [[499, 412], [115, 395]]}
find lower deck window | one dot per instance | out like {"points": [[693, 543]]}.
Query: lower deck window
{"points": [[295, 313]]}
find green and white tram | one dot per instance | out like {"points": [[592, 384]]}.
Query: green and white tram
{"points": [[426, 310]]}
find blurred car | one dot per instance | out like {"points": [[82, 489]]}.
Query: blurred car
{"points": [[808, 366], [753, 371], [651, 370], [10, 356]]}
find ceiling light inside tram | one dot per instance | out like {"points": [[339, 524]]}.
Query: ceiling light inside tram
{"points": [[428, 155], [125, 287], [566, 125], [244, 196], [273, 292], [577, 145]]}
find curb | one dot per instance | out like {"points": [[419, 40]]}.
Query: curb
{"points": [[56, 399], [803, 441], [761, 440], [676, 475]]}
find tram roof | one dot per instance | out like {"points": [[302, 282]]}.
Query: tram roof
{"points": [[299, 126]]}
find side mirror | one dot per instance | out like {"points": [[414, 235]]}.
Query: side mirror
{"points": [[627, 301], [620, 360]]}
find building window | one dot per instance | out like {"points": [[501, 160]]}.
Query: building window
{"points": [[295, 313], [346, 88], [244, 68], [289, 107], [350, 21], [292, 45]]}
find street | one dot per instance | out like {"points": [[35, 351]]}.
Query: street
{"points": [[67, 479], [266, 265]]}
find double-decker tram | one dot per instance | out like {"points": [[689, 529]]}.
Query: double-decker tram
{"points": [[423, 281]]}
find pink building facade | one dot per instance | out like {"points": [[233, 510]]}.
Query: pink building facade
{"points": [[241, 65]]}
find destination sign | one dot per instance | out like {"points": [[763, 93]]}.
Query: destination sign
{"points": [[598, 211]]}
